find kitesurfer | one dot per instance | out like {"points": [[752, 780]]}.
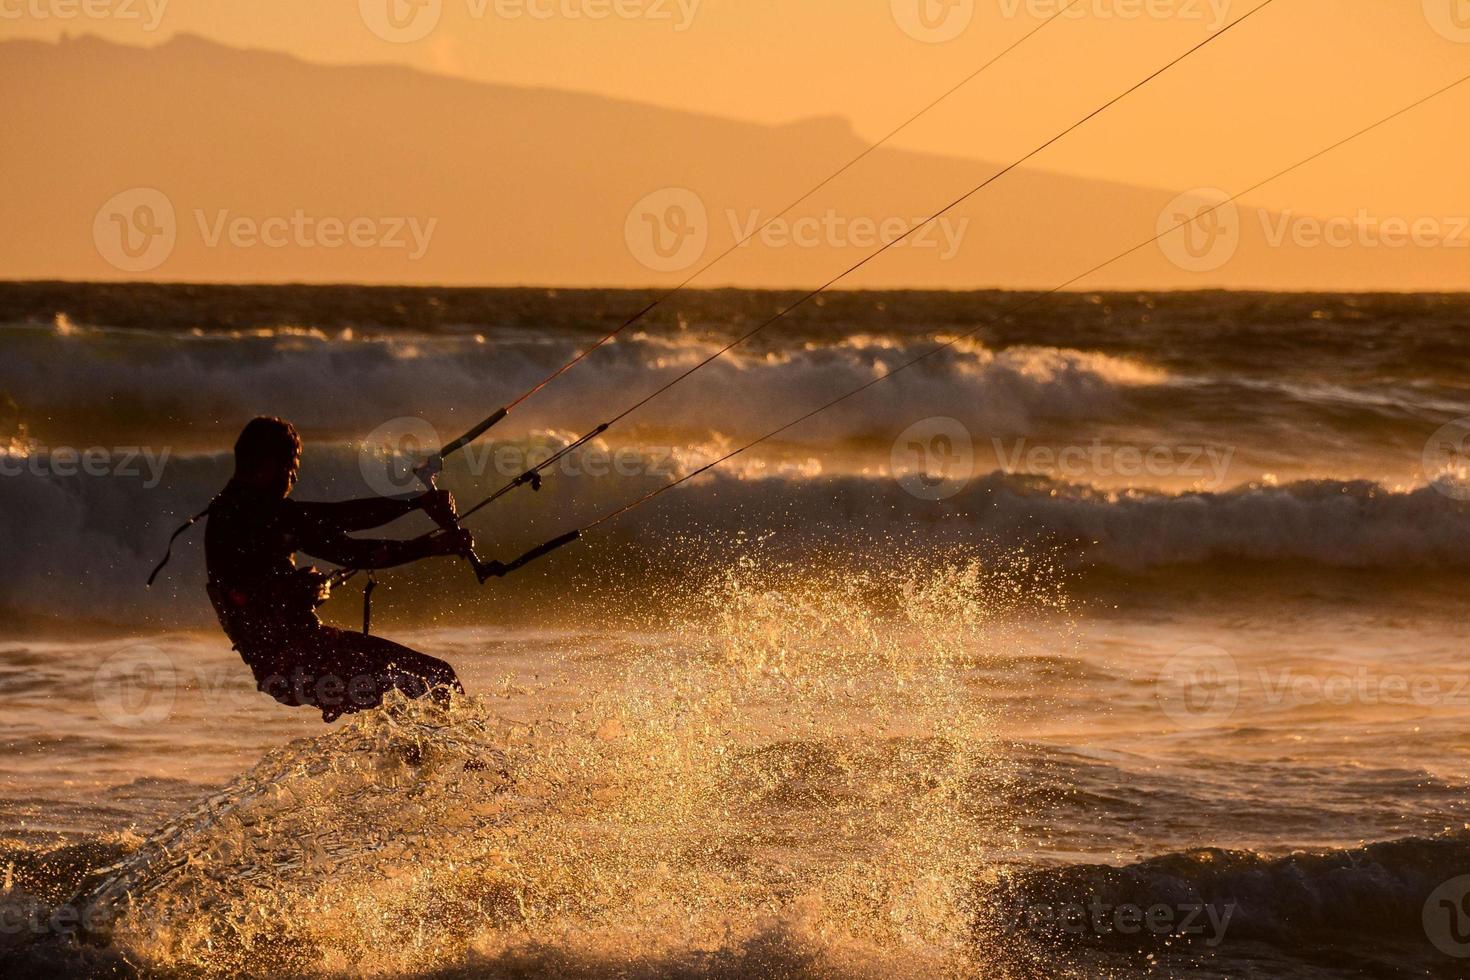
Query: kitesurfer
{"points": [[267, 605]]}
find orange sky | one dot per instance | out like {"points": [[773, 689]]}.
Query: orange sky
{"points": [[1300, 74]]}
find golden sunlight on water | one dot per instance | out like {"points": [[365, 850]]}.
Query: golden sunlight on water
{"points": [[813, 791]]}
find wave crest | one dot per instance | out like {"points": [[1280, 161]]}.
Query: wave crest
{"points": [[85, 386], [1377, 890]]}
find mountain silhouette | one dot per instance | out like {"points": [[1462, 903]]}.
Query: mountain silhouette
{"points": [[195, 161]]}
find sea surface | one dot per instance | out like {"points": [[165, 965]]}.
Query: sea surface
{"points": [[1123, 636]]}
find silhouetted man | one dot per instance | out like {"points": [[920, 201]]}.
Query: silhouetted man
{"points": [[267, 605]]}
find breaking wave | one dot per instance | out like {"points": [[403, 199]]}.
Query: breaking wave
{"points": [[87, 386], [85, 546], [1378, 889]]}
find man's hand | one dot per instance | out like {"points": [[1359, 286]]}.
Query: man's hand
{"points": [[455, 542], [439, 505], [314, 584]]}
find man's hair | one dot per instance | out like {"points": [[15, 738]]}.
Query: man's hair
{"points": [[264, 441]]}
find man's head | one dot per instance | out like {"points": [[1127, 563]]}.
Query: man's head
{"points": [[268, 455]]}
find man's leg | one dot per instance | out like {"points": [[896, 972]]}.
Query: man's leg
{"points": [[414, 673], [366, 668]]}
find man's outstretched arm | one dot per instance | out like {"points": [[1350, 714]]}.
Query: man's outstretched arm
{"points": [[321, 530], [331, 544], [360, 515]]}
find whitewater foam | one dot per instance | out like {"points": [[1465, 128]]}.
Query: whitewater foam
{"points": [[109, 385], [814, 780]]}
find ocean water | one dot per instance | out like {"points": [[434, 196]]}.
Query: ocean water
{"points": [[1124, 639]]}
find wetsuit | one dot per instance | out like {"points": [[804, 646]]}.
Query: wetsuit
{"points": [[267, 605]]}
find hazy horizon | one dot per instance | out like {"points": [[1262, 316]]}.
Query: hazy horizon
{"points": [[556, 186]]}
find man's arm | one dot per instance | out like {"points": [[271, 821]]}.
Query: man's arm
{"points": [[359, 515], [367, 553], [321, 533]]}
